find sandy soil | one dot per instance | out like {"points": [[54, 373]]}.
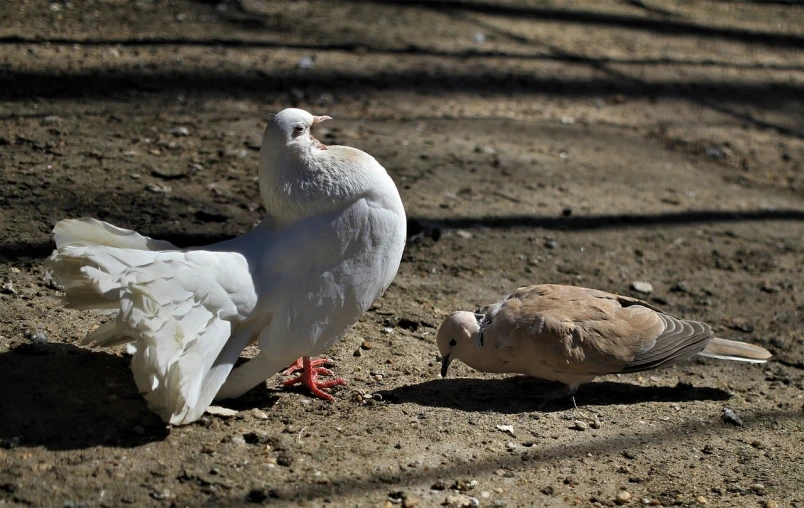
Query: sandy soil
{"points": [[594, 143]]}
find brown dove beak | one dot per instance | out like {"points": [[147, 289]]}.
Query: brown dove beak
{"points": [[445, 365], [319, 119]]}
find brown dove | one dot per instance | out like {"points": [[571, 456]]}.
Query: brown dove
{"points": [[572, 335]]}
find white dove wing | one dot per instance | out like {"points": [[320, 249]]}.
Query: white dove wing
{"points": [[177, 309]]}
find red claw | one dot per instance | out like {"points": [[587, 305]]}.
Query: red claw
{"points": [[309, 376]]}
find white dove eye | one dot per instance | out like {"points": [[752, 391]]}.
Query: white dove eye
{"points": [[453, 343], [298, 129]]}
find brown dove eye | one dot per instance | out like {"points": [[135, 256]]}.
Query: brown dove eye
{"points": [[453, 343]]}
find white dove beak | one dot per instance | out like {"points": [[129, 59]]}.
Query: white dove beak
{"points": [[319, 119]]}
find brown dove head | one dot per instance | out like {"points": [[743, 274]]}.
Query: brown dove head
{"points": [[291, 127], [455, 338]]}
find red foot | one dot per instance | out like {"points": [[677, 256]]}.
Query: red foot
{"points": [[309, 376]]}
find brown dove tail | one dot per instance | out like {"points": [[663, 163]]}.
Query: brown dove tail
{"points": [[733, 350]]}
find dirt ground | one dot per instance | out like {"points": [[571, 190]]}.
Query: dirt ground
{"points": [[594, 143]]}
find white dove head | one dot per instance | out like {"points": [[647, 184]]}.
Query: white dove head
{"points": [[454, 339], [291, 127]]}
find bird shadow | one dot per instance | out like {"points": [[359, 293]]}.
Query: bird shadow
{"points": [[520, 394], [64, 397]]}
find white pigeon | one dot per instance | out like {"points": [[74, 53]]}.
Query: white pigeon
{"points": [[329, 247], [572, 335]]}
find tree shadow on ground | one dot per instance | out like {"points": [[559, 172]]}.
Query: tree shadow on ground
{"points": [[653, 24], [520, 394], [64, 397]]}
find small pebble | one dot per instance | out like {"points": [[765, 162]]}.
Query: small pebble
{"points": [[460, 501], [259, 414], [366, 345], [223, 412], [510, 445], [681, 287], [756, 487], [579, 425], [771, 504], [623, 497], [730, 416], [307, 62], [506, 428], [641, 286], [550, 243], [180, 131], [701, 500], [38, 337], [8, 288]]}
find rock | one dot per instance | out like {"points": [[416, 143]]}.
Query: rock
{"points": [[642, 287], [771, 504], [579, 425], [463, 485], [169, 174], [256, 496], [623, 497], [770, 288], [740, 324], [366, 345], [37, 337], [731, 417], [52, 120], [462, 233], [506, 428], [158, 188], [717, 152], [307, 62], [439, 485], [259, 414], [550, 243], [8, 288], [180, 131], [571, 480], [701, 500], [222, 412], [510, 445], [460, 501], [756, 487]]}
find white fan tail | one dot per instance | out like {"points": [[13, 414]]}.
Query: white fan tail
{"points": [[176, 309]]}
